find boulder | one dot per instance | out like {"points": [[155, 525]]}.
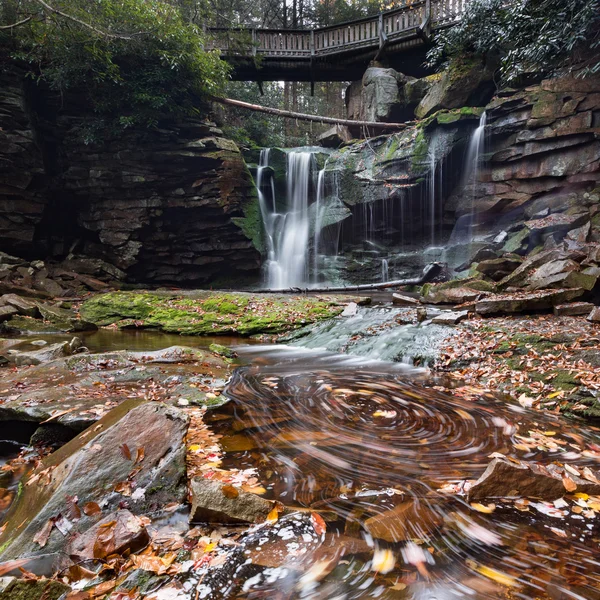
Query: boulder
{"points": [[557, 222], [467, 82], [7, 312], [573, 309], [450, 318], [498, 268], [525, 301], [45, 354], [504, 478], [381, 96], [24, 306], [335, 136], [458, 295], [594, 316], [520, 275], [216, 502], [134, 455], [116, 533], [568, 278], [406, 521]]}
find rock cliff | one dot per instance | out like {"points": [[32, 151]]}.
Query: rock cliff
{"points": [[172, 204]]}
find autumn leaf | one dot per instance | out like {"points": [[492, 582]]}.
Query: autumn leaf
{"points": [[140, 455], [318, 523], [273, 515], [569, 484], [230, 492], [91, 508], [125, 451], [41, 537], [383, 561]]}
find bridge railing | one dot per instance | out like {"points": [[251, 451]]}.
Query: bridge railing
{"points": [[367, 32]]}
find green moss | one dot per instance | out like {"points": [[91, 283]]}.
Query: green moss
{"points": [[563, 380], [209, 313], [251, 223], [420, 152]]}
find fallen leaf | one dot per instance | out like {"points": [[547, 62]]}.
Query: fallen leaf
{"points": [[125, 451], [569, 484], [230, 491], [91, 508]]}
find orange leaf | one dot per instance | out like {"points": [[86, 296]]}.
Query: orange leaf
{"points": [[125, 451], [92, 508], [569, 484], [230, 492], [318, 523]]}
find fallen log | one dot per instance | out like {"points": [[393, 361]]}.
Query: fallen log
{"points": [[304, 117], [431, 271]]}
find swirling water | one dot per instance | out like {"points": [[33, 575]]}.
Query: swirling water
{"points": [[369, 444]]}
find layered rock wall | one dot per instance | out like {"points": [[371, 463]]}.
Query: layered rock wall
{"points": [[175, 204]]}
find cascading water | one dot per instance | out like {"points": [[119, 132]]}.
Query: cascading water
{"points": [[287, 235], [385, 271], [318, 222], [473, 165]]}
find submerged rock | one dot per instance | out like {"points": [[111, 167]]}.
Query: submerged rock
{"points": [[45, 354], [504, 478]]}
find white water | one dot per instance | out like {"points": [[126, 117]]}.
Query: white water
{"points": [[473, 165], [287, 235], [385, 271], [318, 222]]}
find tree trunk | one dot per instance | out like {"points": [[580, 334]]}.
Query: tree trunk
{"points": [[301, 116], [429, 272]]}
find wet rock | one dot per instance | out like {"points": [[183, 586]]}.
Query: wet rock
{"points": [[135, 454], [45, 354], [403, 522], [401, 300], [450, 318], [573, 309], [287, 548], [24, 306], [6, 312], [12, 588], [498, 268], [224, 351], [216, 502], [516, 242], [421, 314], [504, 478], [65, 320], [351, 310], [594, 316], [118, 532], [525, 301]]}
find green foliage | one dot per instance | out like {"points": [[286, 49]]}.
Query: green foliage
{"points": [[135, 60], [527, 36]]}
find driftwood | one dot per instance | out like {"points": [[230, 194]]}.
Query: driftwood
{"points": [[304, 117], [429, 272]]}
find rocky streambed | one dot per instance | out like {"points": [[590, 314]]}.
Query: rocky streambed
{"points": [[185, 467]]}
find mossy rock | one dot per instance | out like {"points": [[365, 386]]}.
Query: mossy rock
{"points": [[220, 350], [28, 589], [209, 313]]}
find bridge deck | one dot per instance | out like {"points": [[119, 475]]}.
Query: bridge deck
{"points": [[336, 52]]}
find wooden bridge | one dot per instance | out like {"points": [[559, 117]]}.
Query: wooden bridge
{"points": [[339, 52]]}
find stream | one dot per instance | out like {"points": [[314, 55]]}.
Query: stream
{"points": [[368, 444]]}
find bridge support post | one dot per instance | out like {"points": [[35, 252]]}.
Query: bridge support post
{"points": [[312, 61]]}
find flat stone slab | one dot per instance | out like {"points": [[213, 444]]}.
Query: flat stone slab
{"points": [[504, 478], [573, 309], [525, 301], [450, 318]]}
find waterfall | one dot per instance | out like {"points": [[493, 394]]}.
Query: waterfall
{"points": [[385, 271], [318, 222], [473, 165], [287, 235]]}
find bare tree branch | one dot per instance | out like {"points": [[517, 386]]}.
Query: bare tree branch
{"points": [[16, 24], [100, 32]]}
